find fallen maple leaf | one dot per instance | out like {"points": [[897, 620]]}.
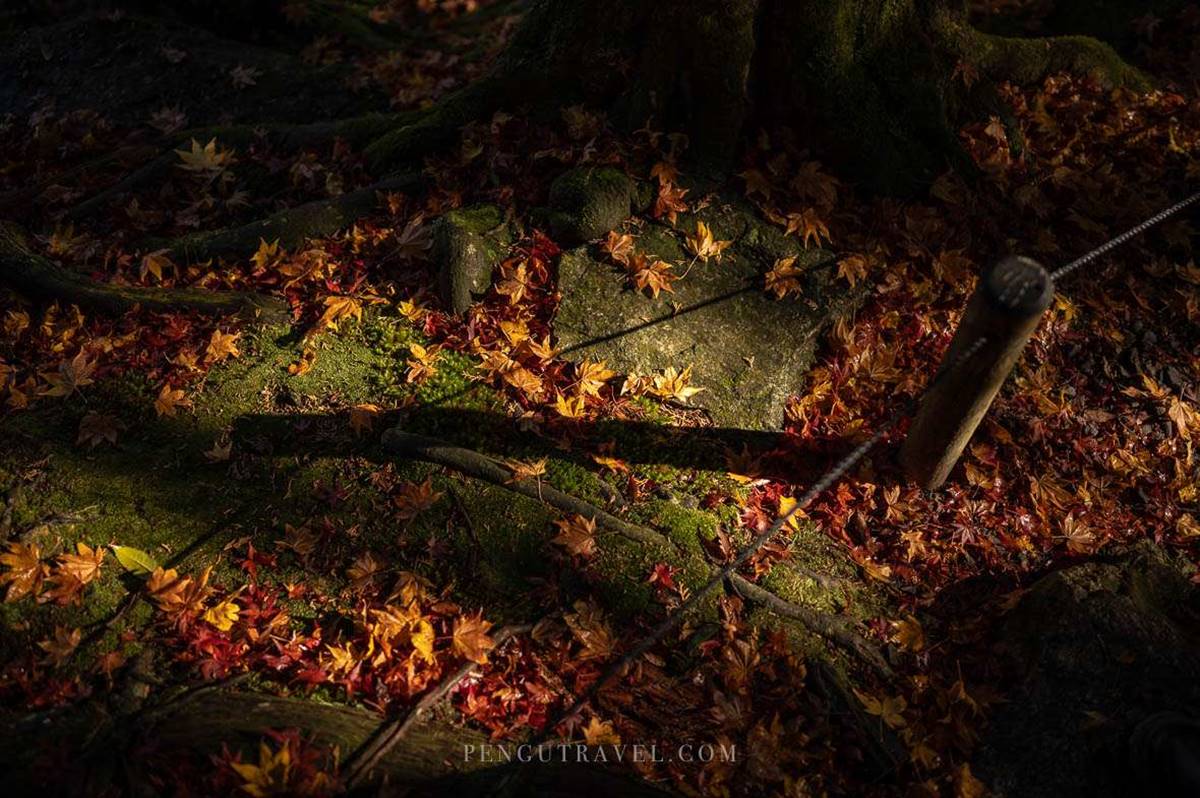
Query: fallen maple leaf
{"points": [[221, 346], [599, 732], [96, 428], [84, 565], [672, 385], [222, 616], [655, 276], [169, 400], [593, 376], [23, 572], [59, 648], [72, 375], [470, 638], [577, 535], [413, 499], [852, 269], [362, 417], [784, 278], [206, 158], [703, 245], [619, 246], [421, 363], [338, 308]]}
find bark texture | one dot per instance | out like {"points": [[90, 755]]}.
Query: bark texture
{"points": [[880, 85]]}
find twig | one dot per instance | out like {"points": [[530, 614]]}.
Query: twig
{"points": [[364, 760]]}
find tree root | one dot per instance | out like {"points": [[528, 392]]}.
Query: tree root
{"points": [[438, 126], [354, 130], [837, 630], [39, 278], [290, 227], [479, 466], [359, 766], [1026, 61]]}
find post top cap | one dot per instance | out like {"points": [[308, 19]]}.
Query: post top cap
{"points": [[1019, 285]]}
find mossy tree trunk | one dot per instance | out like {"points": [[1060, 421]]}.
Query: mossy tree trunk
{"points": [[881, 85]]}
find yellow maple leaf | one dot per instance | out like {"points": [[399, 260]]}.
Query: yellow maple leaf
{"points": [[362, 417], [271, 776], [156, 263], [611, 463], [653, 276], [908, 633], [599, 732], [569, 408], [223, 615], [85, 564], [703, 246], [23, 570], [593, 376], [514, 282], [470, 638], [415, 498], [338, 308], [521, 470], [221, 346], [784, 278], [72, 375], [421, 363], [889, 709], [808, 225], [206, 158], [266, 254], [169, 400], [673, 385], [852, 269], [619, 246], [786, 505]]}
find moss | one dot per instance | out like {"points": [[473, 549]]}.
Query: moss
{"points": [[587, 202], [468, 244], [688, 528]]}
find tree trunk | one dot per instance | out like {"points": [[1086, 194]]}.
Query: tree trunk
{"points": [[880, 86]]}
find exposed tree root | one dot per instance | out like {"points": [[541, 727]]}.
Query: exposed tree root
{"points": [[354, 130], [291, 227], [477, 465], [361, 764], [831, 627], [438, 126], [835, 629], [39, 278]]}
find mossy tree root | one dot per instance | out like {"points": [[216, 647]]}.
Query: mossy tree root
{"points": [[290, 227], [37, 277], [356, 131], [835, 629]]}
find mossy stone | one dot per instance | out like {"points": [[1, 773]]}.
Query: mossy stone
{"points": [[468, 243], [587, 202], [747, 350]]}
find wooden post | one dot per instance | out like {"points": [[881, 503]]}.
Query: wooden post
{"points": [[1004, 312]]}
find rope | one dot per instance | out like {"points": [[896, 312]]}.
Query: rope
{"points": [[839, 469]]}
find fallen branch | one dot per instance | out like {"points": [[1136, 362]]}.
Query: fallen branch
{"points": [[360, 764], [38, 277], [836, 629]]}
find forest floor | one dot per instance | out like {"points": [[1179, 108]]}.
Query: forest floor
{"points": [[220, 578]]}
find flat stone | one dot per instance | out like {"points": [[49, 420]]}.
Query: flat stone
{"points": [[749, 351]]}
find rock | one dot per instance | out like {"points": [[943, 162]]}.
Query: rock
{"points": [[468, 243], [587, 202], [748, 351], [1097, 648]]}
